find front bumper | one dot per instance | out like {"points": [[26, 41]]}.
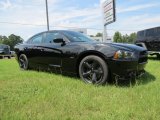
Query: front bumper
{"points": [[126, 70]]}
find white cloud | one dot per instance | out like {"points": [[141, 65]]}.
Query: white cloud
{"points": [[5, 4], [33, 12], [136, 8], [141, 21]]}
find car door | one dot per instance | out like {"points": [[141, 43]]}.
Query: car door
{"points": [[51, 52], [32, 49]]}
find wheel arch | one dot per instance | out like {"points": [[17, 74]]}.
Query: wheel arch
{"points": [[19, 53], [87, 53]]}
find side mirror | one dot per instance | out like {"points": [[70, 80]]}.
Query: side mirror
{"points": [[59, 40]]}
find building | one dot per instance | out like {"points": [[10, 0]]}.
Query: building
{"points": [[100, 39]]}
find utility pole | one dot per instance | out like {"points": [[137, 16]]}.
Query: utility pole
{"points": [[47, 15], [105, 33]]}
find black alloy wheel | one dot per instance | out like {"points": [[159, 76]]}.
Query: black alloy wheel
{"points": [[23, 62], [93, 70]]}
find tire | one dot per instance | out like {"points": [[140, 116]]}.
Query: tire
{"points": [[23, 62], [93, 70]]}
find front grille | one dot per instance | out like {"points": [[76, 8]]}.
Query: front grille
{"points": [[143, 60], [143, 57]]}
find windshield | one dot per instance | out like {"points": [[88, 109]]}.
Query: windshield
{"points": [[3, 46], [77, 37]]}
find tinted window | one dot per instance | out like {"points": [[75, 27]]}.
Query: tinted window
{"points": [[3, 46], [154, 32], [150, 32], [141, 34], [36, 40], [158, 32], [51, 36]]}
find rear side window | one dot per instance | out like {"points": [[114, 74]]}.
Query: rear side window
{"points": [[150, 32], [49, 37], [36, 40]]}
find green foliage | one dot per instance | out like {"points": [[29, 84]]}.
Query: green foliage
{"points": [[125, 38], [132, 37], [117, 37], [99, 35], [91, 35], [35, 95], [11, 40], [3, 39]]}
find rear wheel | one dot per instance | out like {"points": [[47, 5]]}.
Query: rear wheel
{"points": [[93, 70], [23, 62]]}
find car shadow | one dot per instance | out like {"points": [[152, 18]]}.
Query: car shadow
{"points": [[143, 80], [153, 58]]}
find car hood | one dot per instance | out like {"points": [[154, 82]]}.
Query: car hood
{"points": [[114, 46], [128, 46]]}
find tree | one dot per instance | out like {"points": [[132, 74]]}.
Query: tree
{"points": [[1, 39], [117, 37], [132, 37], [11, 40], [99, 35], [125, 38], [91, 35]]}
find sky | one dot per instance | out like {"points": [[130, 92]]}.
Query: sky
{"points": [[28, 17]]}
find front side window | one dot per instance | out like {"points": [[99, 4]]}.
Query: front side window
{"points": [[51, 36], [36, 40]]}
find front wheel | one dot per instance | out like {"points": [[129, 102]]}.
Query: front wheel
{"points": [[23, 62], [93, 70]]}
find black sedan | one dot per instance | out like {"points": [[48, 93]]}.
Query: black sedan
{"points": [[73, 53]]}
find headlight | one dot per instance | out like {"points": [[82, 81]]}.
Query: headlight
{"points": [[124, 55]]}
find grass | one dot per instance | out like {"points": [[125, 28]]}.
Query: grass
{"points": [[37, 95]]}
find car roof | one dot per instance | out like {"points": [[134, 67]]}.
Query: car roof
{"points": [[51, 31], [54, 31]]}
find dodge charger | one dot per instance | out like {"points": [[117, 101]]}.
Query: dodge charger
{"points": [[72, 53]]}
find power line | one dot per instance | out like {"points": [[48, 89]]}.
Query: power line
{"points": [[16, 23], [38, 25]]}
